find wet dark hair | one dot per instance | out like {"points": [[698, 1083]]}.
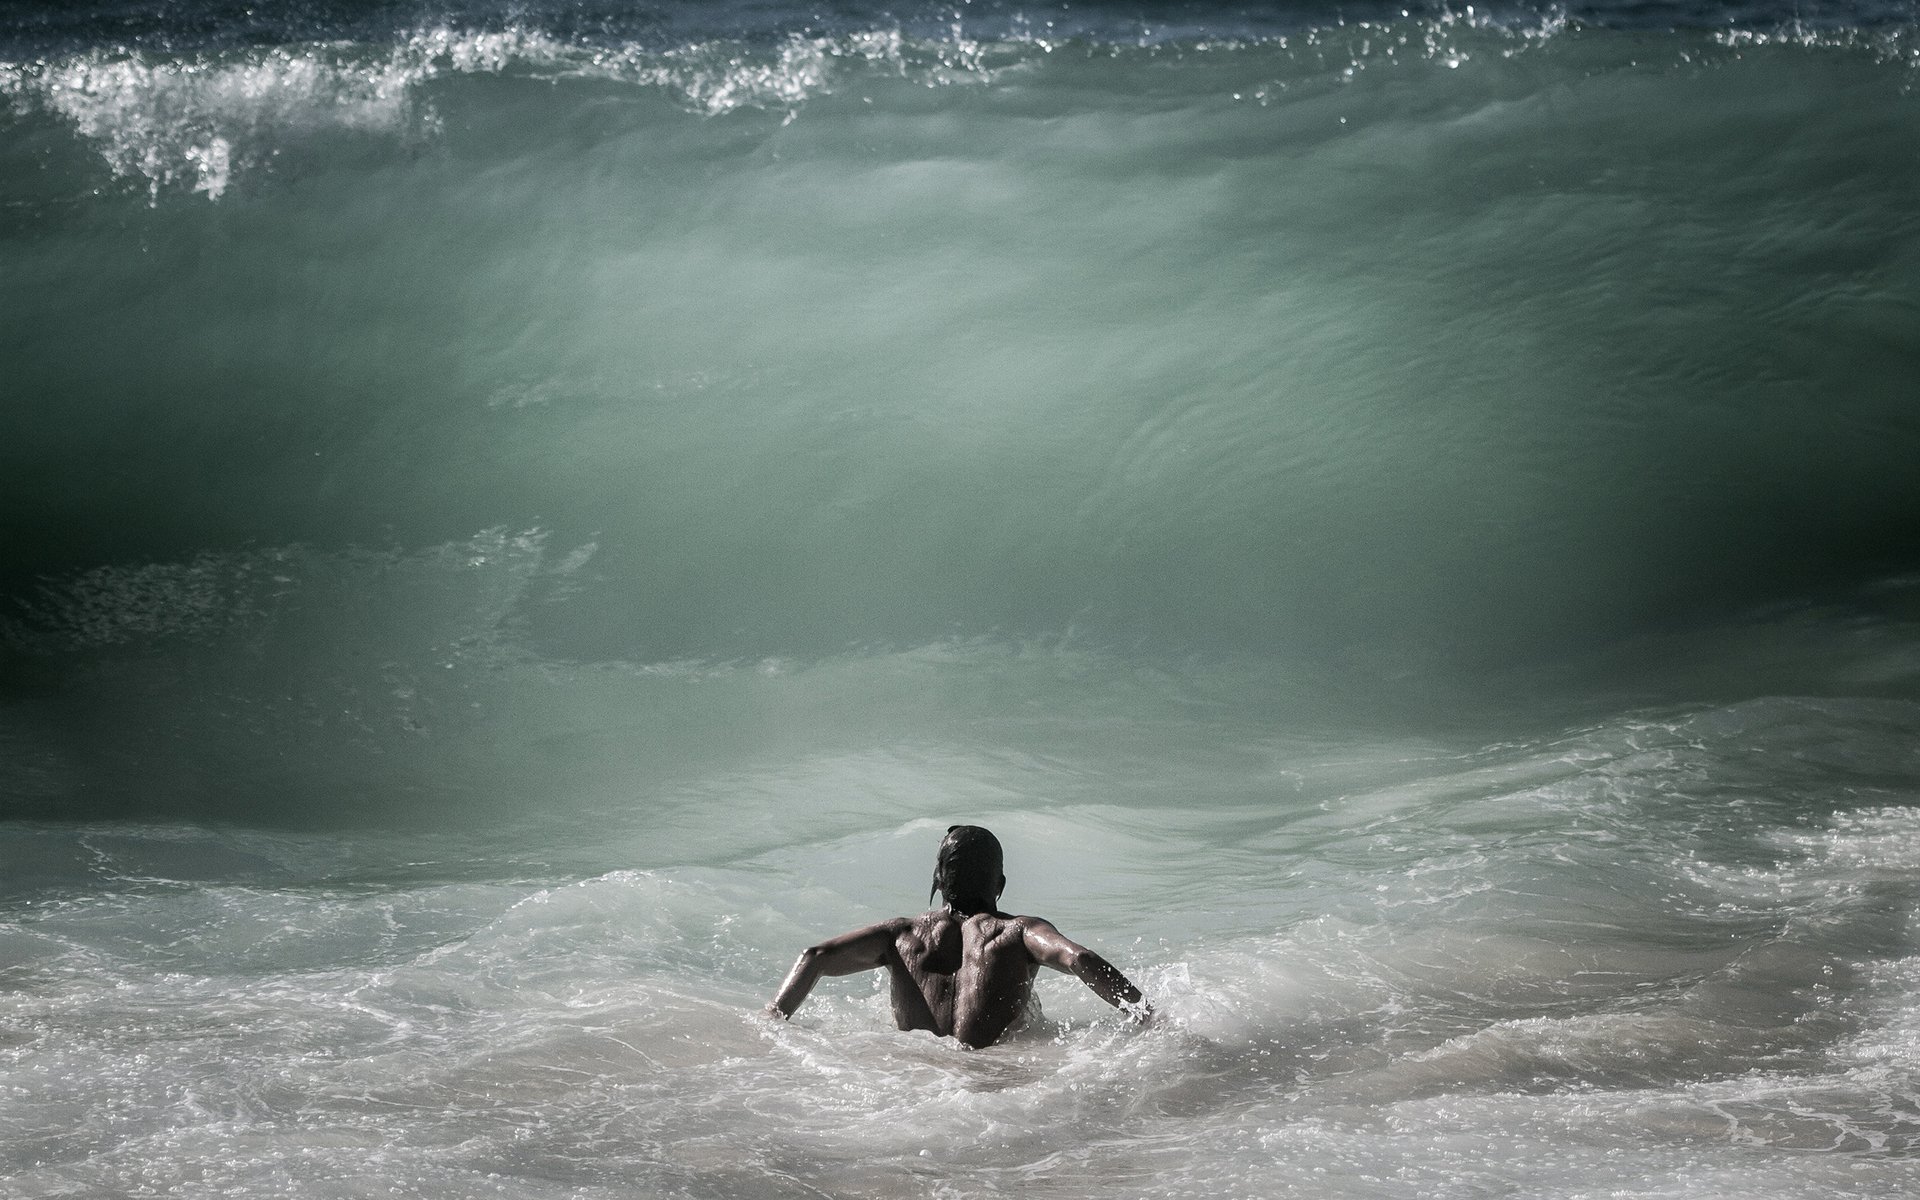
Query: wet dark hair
{"points": [[969, 871]]}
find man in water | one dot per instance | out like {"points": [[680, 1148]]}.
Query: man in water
{"points": [[964, 969]]}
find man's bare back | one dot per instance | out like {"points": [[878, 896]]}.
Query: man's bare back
{"points": [[963, 970]]}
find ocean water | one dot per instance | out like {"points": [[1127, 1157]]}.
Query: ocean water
{"points": [[519, 517]]}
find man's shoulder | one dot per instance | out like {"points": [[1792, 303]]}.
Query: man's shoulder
{"points": [[1029, 921], [1023, 923], [994, 920], [927, 922]]}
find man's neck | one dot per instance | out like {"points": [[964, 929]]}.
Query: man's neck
{"points": [[961, 913]]}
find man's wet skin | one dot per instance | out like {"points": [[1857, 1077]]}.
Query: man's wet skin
{"points": [[968, 977], [966, 969]]}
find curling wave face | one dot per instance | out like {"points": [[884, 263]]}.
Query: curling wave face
{"points": [[1433, 338]]}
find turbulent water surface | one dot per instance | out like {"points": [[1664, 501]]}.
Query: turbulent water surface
{"points": [[520, 517]]}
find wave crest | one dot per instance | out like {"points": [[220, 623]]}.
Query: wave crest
{"points": [[192, 122]]}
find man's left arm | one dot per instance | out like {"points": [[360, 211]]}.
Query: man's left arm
{"points": [[1051, 948]]}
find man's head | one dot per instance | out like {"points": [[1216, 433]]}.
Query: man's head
{"points": [[969, 871]]}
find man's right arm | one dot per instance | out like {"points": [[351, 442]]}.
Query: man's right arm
{"points": [[1051, 948], [860, 950]]}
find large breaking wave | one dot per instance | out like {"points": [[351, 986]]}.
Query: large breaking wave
{"points": [[1392, 360]]}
